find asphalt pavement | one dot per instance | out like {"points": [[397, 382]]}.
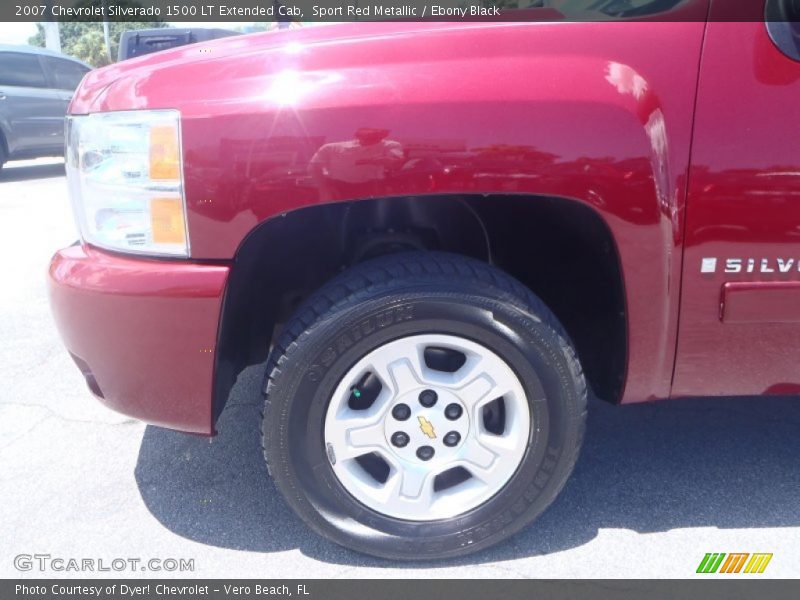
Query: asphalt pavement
{"points": [[657, 486]]}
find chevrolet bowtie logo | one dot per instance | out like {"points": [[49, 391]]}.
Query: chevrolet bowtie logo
{"points": [[426, 427]]}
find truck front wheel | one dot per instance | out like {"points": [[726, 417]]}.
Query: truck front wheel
{"points": [[422, 406]]}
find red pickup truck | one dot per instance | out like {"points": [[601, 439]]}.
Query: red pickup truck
{"points": [[438, 238]]}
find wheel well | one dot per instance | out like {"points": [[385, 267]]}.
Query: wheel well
{"points": [[561, 249]]}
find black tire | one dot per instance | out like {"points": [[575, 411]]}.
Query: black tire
{"points": [[406, 294]]}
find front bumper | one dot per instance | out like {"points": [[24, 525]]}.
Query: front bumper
{"points": [[143, 332]]}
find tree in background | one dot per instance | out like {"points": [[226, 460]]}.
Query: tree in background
{"points": [[84, 40]]}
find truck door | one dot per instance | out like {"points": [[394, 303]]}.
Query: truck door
{"points": [[739, 330]]}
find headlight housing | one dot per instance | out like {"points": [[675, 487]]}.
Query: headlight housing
{"points": [[125, 175]]}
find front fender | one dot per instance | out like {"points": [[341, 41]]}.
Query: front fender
{"points": [[597, 112]]}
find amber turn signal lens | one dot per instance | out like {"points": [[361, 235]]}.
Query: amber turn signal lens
{"points": [[138, 152], [164, 153], [166, 220]]}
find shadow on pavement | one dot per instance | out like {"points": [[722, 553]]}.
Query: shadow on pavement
{"points": [[11, 173], [727, 463]]}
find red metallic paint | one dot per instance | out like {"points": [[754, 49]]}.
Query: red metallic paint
{"points": [[601, 113], [597, 112], [760, 302], [744, 202], [146, 328]]}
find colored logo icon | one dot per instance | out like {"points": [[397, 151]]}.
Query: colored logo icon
{"points": [[719, 562]]}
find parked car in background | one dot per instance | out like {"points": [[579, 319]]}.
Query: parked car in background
{"points": [[36, 86]]}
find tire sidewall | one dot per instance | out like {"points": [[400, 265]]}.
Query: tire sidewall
{"points": [[294, 425]]}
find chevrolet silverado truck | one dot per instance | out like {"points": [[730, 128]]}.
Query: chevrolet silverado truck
{"points": [[438, 239]]}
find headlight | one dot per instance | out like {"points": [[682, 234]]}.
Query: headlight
{"points": [[125, 177]]}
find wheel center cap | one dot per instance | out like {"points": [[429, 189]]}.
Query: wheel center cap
{"points": [[424, 430]]}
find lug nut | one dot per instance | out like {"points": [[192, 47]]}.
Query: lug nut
{"points": [[428, 398], [400, 439], [453, 411], [425, 453], [452, 439], [401, 412]]}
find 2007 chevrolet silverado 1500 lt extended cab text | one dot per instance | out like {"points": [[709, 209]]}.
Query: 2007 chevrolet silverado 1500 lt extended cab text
{"points": [[438, 237]]}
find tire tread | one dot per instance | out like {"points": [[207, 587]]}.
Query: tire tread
{"points": [[390, 271]]}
